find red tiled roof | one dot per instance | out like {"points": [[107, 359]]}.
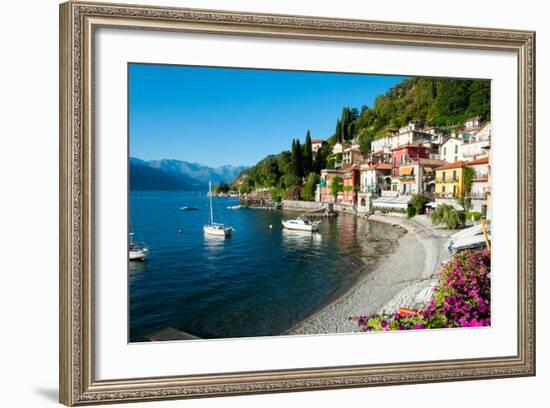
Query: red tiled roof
{"points": [[317, 141], [455, 165], [430, 162], [483, 160], [382, 166], [407, 145]]}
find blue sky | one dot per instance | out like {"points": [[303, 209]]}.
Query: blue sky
{"points": [[219, 116]]}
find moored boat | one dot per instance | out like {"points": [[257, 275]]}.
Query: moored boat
{"points": [[137, 251], [301, 224], [215, 228]]}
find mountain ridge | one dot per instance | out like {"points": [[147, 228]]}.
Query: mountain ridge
{"points": [[172, 174]]}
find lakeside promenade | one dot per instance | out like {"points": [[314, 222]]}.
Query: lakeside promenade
{"points": [[403, 278]]}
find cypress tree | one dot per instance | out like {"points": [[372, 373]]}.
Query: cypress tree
{"points": [[338, 131], [346, 120], [308, 154], [299, 161]]}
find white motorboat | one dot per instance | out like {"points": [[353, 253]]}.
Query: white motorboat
{"points": [[468, 238], [301, 224], [137, 251], [215, 228]]}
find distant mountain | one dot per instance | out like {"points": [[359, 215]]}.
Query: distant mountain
{"points": [[177, 175]]}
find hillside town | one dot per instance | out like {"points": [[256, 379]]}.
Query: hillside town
{"points": [[415, 159]]}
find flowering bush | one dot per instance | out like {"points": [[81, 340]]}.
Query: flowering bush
{"points": [[460, 299]]}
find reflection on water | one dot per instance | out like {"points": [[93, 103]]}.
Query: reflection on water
{"points": [[260, 281], [300, 238]]}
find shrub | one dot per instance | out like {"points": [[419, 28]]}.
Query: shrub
{"points": [[411, 211], [292, 193], [276, 194], [308, 192], [460, 299], [476, 215]]}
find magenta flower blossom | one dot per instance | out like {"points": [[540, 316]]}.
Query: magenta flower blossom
{"points": [[460, 299]]}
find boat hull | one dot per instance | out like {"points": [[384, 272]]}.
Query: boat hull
{"points": [[219, 232], [138, 255], [298, 227]]}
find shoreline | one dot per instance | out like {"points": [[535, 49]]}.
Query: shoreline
{"points": [[403, 278]]}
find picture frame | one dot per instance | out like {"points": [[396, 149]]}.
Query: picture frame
{"points": [[79, 22]]}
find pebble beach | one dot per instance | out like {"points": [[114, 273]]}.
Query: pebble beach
{"points": [[403, 278]]}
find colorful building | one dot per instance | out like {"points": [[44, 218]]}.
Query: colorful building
{"points": [[327, 175], [451, 150], [351, 154], [317, 144], [402, 154], [375, 178], [449, 180], [480, 188], [418, 176], [351, 181]]}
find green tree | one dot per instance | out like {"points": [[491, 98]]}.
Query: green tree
{"points": [[308, 192], [320, 161], [344, 124], [292, 193], [246, 186], [480, 99], [221, 188], [469, 175], [336, 186], [338, 131], [446, 214], [418, 201], [297, 160], [308, 154]]}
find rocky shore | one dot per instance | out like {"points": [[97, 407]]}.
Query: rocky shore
{"points": [[402, 279]]}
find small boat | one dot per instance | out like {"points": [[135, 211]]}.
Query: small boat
{"points": [[215, 228], [301, 224], [185, 208], [137, 251], [468, 238], [235, 207]]}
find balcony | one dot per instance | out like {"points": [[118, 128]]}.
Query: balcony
{"points": [[477, 195], [447, 180], [480, 176], [445, 195], [407, 178]]}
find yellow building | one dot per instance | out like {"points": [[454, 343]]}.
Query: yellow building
{"points": [[449, 180]]}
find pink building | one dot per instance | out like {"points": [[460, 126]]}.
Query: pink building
{"points": [[402, 154]]}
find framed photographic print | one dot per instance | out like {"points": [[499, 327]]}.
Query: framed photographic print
{"points": [[263, 203]]}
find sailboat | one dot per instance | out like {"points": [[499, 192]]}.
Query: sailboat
{"points": [[137, 251], [215, 228]]}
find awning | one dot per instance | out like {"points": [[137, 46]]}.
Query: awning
{"points": [[405, 171], [428, 169]]}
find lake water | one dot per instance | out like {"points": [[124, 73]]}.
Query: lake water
{"points": [[259, 282]]}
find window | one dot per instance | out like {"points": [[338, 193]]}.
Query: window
{"points": [[443, 189], [456, 149], [454, 175], [444, 177], [445, 151]]}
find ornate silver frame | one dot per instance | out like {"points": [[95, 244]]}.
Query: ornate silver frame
{"points": [[78, 20]]}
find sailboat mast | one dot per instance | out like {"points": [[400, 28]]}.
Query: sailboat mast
{"points": [[211, 210]]}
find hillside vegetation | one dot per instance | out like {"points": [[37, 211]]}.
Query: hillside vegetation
{"points": [[445, 103]]}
